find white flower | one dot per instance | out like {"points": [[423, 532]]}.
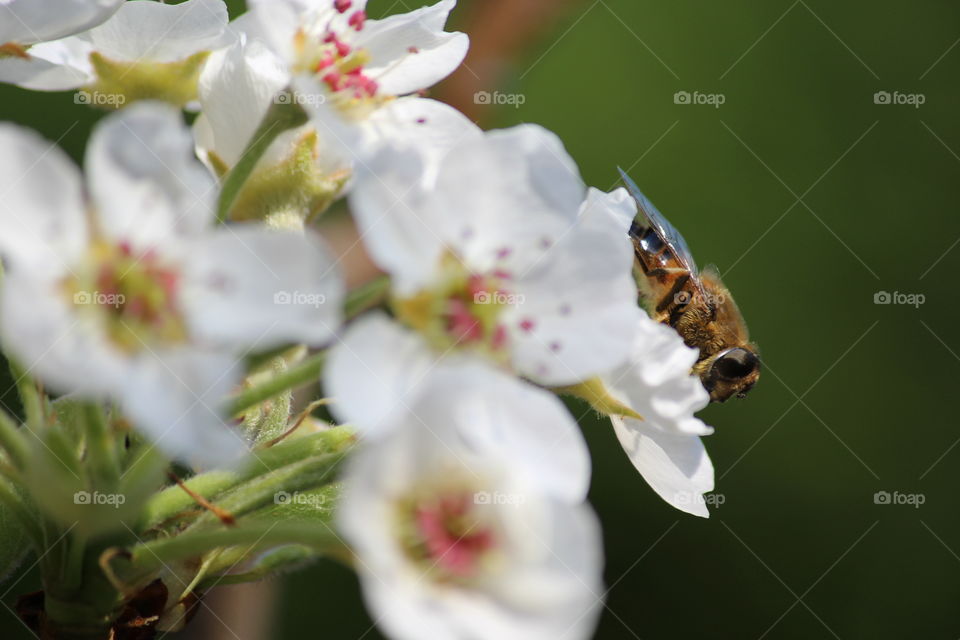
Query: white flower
{"points": [[665, 446], [498, 257], [493, 410], [132, 294], [452, 542], [304, 169], [145, 50], [350, 70]]}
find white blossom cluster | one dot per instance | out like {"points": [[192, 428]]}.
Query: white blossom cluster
{"points": [[510, 283]]}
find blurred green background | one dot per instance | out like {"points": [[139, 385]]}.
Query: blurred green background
{"points": [[855, 397]]}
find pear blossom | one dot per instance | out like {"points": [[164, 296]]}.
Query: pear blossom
{"points": [[145, 50], [349, 71], [129, 293], [304, 169], [494, 410], [664, 446], [498, 255], [456, 542]]}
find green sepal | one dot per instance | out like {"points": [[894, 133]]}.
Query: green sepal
{"points": [[595, 392], [125, 82]]}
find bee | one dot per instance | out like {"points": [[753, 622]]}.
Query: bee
{"points": [[695, 303]]}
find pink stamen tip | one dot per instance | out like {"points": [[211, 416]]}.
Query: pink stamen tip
{"points": [[499, 338], [527, 325], [334, 80], [413, 49], [357, 19], [421, 121], [461, 324], [503, 252], [454, 551], [343, 49], [342, 6], [502, 274]]}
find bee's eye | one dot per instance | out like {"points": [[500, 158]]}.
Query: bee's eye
{"points": [[736, 363]]}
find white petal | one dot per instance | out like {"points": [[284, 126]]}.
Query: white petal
{"points": [[237, 86], [512, 188], [247, 286], [57, 341], [656, 381], [393, 213], [145, 181], [52, 66], [374, 373], [162, 32], [577, 308], [176, 398], [42, 223], [274, 23], [433, 127], [500, 416], [389, 42], [32, 21], [676, 466]]}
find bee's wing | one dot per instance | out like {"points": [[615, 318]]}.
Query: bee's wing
{"points": [[667, 232]]}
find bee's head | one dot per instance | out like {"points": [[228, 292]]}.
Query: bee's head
{"points": [[731, 372]]}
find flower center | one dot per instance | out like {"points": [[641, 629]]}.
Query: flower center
{"points": [[444, 534], [135, 295], [327, 54], [462, 310]]}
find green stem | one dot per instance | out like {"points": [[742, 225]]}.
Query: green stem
{"points": [[263, 490], [10, 498], [103, 465], [12, 441], [173, 500], [304, 372], [283, 115], [151, 557], [29, 397], [366, 296]]}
